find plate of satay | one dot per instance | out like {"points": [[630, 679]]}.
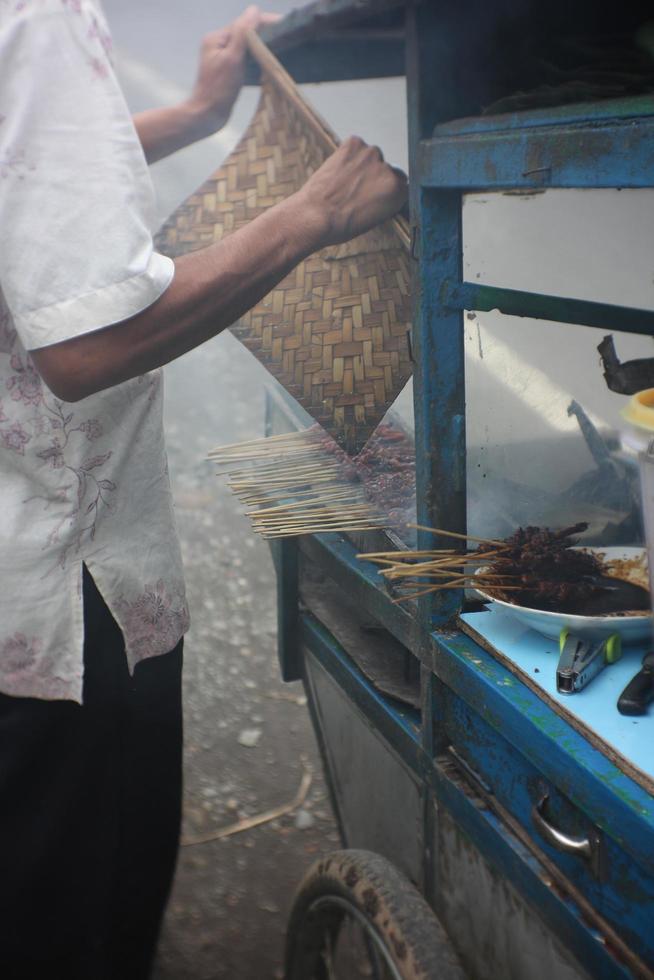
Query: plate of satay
{"points": [[614, 601], [541, 576]]}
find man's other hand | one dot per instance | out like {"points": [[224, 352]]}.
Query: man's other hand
{"points": [[221, 69]]}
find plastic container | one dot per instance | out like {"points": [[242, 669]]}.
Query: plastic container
{"points": [[639, 436]]}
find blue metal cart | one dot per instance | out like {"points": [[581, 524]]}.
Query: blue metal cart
{"points": [[529, 837]]}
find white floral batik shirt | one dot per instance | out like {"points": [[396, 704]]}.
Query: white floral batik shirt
{"points": [[82, 483]]}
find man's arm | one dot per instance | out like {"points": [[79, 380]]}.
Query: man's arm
{"points": [[221, 71], [171, 128], [353, 191]]}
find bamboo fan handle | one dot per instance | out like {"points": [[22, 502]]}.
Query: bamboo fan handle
{"points": [[269, 63]]}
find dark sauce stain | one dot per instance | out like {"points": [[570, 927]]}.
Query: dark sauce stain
{"points": [[613, 596]]}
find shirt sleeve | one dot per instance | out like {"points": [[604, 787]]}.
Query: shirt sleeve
{"points": [[76, 199]]}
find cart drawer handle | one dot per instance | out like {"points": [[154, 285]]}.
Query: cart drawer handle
{"points": [[569, 845]]}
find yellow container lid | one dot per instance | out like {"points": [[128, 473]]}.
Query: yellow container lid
{"points": [[640, 410]]}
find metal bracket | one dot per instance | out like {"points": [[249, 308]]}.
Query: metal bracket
{"points": [[415, 243]]}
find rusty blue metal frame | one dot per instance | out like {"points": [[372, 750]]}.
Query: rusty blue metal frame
{"points": [[601, 153], [609, 144], [582, 147], [439, 390]]}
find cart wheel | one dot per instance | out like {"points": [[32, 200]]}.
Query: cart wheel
{"points": [[356, 916]]}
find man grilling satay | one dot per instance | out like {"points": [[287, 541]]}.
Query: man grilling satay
{"points": [[92, 599]]}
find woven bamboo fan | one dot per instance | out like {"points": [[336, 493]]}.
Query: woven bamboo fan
{"points": [[335, 330]]}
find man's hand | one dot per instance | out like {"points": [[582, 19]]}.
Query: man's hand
{"points": [[220, 77], [222, 68], [353, 191]]}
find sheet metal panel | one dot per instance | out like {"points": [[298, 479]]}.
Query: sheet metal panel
{"points": [[613, 801], [495, 930], [368, 778]]}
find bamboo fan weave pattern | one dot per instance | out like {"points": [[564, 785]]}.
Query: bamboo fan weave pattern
{"points": [[334, 332]]}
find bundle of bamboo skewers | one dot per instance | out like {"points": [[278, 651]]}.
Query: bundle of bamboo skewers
{"points": [[293, 486], [417, 573]]}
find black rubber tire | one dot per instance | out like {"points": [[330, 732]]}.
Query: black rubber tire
{"points": [[410, 932]]}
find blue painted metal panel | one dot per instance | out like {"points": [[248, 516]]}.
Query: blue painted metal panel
{"points": [[624, 894], [515, 302], [610, 154], [594, 709], [591, 782]]}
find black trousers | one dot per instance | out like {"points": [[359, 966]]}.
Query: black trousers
{"points": [[90, 800]]}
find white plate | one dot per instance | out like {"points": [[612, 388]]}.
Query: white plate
{"points": [[632, 629]]}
